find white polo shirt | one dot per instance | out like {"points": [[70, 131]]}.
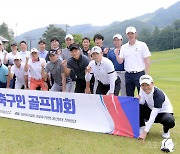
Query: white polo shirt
{"points": [[134, 55], [19, 72], [35, 68], [23, 55], [158, 102], [104, 72]]}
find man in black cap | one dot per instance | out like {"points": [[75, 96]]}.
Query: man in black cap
{"points": [[57, 72], [77, 65]]}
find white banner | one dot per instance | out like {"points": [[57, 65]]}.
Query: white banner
{"points": [[73, 110]]}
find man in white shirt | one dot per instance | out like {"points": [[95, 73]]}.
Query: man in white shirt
{"points": [[155, 107], [35, 65], [103, 69], [23, 51], [135, 55], [18, 70]]}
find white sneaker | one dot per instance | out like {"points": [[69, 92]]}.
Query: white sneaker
{"points": [[166, 135], [141, 129]]}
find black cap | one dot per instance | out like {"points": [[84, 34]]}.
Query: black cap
{"points": [[14, 44], [74, 46], [52, 52], [55, 38]]}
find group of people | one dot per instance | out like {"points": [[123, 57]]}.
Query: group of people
{"points": [[99, 70]]}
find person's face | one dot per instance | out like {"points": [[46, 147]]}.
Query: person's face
{"points": [[85, 43], [17, 62], [34, 55], [147, 88], [54, 44], [75, 53], [97, 56], [69, 42], [23, 47], [42, 46], [14, 48], [117, 42], [53, 58], [98, 42], [131, 36]]}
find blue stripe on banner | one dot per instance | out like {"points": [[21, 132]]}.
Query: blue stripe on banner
{"points": [[130, 105], [102, 101]]}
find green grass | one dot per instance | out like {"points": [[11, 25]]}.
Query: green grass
{"points": [[25, 137]]}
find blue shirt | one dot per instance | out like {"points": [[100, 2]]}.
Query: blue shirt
{"points": [[111, 55], [43, 54], [3, 73]]}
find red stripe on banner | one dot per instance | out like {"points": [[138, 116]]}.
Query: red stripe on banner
{"points": [[121, 122]]}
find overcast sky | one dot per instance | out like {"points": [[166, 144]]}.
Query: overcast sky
{"points": [[25, 15]]}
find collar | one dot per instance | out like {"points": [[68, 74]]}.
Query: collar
{"points": [[42, 51], [80, 58], [86, 50], [24, 52], [100, 63], [134, 43]]}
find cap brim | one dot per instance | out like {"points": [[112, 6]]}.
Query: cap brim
{"points": [[145, 81]]}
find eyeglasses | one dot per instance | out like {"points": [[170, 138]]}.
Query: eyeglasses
{"points": [[34, 53]]}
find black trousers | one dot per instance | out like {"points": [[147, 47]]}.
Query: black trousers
{"points": [[103, 89], [166, 119], [80, 86], [132, 81]]}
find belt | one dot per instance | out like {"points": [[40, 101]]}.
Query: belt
{"points": [[133, 72]]}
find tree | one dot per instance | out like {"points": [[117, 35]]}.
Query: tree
{"points": [[155, 38], [145, 36], [51, 32], [176, 24], [6, 32], [166, 37]]}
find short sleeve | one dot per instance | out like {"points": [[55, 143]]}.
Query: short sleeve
{"points": [[146, 52], [159, 98]]}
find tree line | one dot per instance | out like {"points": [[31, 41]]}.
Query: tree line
{"points": [[162, 39], [157, 39]]}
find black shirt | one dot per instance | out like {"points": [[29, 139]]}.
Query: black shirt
{"points": [[78, 66]]}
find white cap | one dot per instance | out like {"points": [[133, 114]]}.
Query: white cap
{"points": [[145, 79], [131, 29], [34, 50], [0, 42], [17, 57], [167, 145], [117, 36], [96, 49], [69, 36]]}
